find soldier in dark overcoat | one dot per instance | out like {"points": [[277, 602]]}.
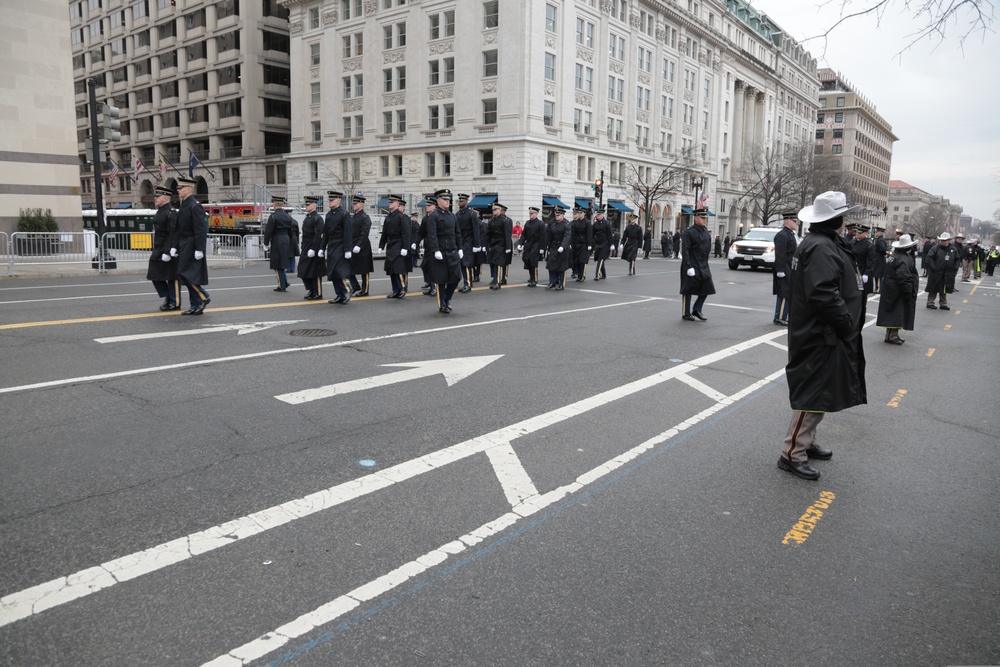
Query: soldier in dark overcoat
{"points": [[696, 275], [616, 239], [581, 243], [531, 244], [444, 244], [859, 249], [499, 243], [362, 259], [603, 240], [162, 259], [943, 262], [898, 301], [481, 256], [192, 238], [781, 283], [430, 208], [312, 265], [395, 240], [414, 242], [631, 242], [337, 231], [876, 260], [826, 359], [278, 237], [557, 250], [468, 224]]}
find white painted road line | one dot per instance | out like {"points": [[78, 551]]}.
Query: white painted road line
{"points": [[702, 387], [777, 345], [514, 479], [309, 348], [331, 611], [61, 590], [240, 330]]}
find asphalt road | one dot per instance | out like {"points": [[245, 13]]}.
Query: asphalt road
{"points": [[600, 487]]}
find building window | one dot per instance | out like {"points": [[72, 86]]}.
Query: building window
{"points": [[386, 80], [398, 159], [401, 121], [314, 96], [386, 122], [446, 163], [486, 162], [430, 164], [317, 134], [820, 118], [820, 134], [584, 78], [838, 117], [585, 33], [383, 162], [550, 67], [548, 113], [313, 171], [354, 45], [490, 111], [552, 164], [616, 89], [313, 55], [616, 47], [550, 18], [837, 149], [491, 19], [449, 116], [841, 102], [642, 98], [645, 60], [433, 118], [490, 63], [618, 9]]}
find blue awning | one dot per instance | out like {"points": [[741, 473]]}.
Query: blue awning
{"points": [[552, 200], [584, 202], [383, 202], [482, 201], [711, 215], [124, 205], [618, 206], [687, 209], [87, 206], [422, 203]]}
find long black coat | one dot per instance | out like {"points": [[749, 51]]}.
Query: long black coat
{"points": [[394, 239], [532, 242], [361, 227], [444, 236], [192, 235], [468, 225], [164, 228], [942, 266], [278, 235], [696, 246], [603, 238], [339, 240], [499, 242], [581, 240], [826, 358], [632, 241], [860, 249], [876, 259], [312, 239], [559, 235], [784, 248], [900, 284]]}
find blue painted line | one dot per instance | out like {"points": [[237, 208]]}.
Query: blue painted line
{"points": [[354, 622], [676, 361], [367, 463]]}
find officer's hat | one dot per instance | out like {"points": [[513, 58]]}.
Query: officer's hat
{"points": [[185, 182], [633, 216], [462, 197], [396, 198], [558, 210], [278, 199], [334, 194], [790, 215], [359, 197], [163, 190], [498, 205], [311, 199], [533, 209], [602, 210], [429, 200], [443, 193], [700, 212], [861, 228], [960, 235]]}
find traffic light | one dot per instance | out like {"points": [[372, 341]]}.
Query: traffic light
{"points": [[598, 188], [111, 123]]}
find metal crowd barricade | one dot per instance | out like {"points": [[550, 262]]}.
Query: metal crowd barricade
{"points": [[33, 251], [126, 250], [254, 248], [225, 250], [5, 255]]}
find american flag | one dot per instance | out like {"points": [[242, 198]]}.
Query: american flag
{"points": [[138, 169], [114, 173], [702, 201], [163, 168]]}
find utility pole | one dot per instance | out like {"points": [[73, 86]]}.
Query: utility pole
{"points": [[95, 143]]}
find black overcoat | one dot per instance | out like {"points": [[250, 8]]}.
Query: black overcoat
{"points": [[468, 225], [339, 240], [394, 239], [784, 248], [192, 235], [826, 359], [361, 227], [559, 235], [164, 228], [532, 242], [278, 235], [499, 243], [602, 239], [876, 259], [696, 247], [581, 240], [312, 239], [942, 267], [631, 242], [444, 236], [900, 284]]}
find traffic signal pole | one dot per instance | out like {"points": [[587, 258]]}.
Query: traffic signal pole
{"points": [[95, 142]]}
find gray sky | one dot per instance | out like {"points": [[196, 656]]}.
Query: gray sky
{"points": [[941, 98]]}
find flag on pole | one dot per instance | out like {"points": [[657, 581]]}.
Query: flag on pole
{"points": [[163, 168], [702, 201], [192, 163], [138, 169], [114, 173]]}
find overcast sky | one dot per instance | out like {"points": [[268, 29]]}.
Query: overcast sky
{"points": [[941, 99]]}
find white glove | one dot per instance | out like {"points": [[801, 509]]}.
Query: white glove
{"points": [[413, 246], [198, 254], [541, 251], [322, 253], [589, 248], [173, 252], [438, 255], [404, 252], [508, 251], [691, 272], [347, 255], [311, 253], [475, 250], [520, 248], [781, 274], [461, 254], [164, 257], [864, 279], [559, 249], [357, 248]]}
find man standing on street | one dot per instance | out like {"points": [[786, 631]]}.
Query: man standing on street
{"points": [[531, 244], [163, 260], [395, 240], [192, 237], [444, 243], [557, 251], [499, 244], [876, 261], [581, 243], [337, 230], [784, 249], [468, 225], [631, 242], [312, 265], [826, 359], [943, 262], [278, 237], [603, 239], [362, 262], [696, 276], [726, 244]]}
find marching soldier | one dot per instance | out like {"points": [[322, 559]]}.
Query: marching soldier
{"points": [[277, 235], [859, 249], [444, 244], [430, 208], [414, 240], [631, 242], [468, 224], [499, 244], [557, 250], [581, 243], [602, 235], [876, 260], [784, 249], [531, 244], [312, 265], [395, 241], [339, 243], [192, 237], [362, 260], [163, 259], [696, 275], [481, 256]]}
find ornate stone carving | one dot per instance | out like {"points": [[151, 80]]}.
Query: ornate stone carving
{"points": [[393, 56], [644, 78], [370, 167], [740, 85], [314, 73], [617, 67], [668, 88], [584, 99], [315, 112], [584, 54], [550, 41], [606, 6], [615, 108], [441, 93], [442, 47], [633, 21], [295, 27], [666, 124], [463, 163], [490, 37], [642, 116], [489, 86], [371, 6], [687, 130], [661, 34], [507, 161], [688, 96], [550, 90], [352, 105], [353, 64], [394, 100], [413, 165], [329, 17]]}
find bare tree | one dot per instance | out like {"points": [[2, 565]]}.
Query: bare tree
{"points": [[650, 184], [241, 192], [928, 220], [776, 177]]}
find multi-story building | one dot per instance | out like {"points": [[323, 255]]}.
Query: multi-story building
{"points": [[905, 200], [858, 141], [531, 101], [208, 78], [38, 161]]}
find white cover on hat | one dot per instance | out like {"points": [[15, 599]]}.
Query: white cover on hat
{"points": [[944, 236], [904, 241], [827, 206]]}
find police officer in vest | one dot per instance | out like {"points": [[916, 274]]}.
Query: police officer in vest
{"points": [[339, 242], [312, 264]]}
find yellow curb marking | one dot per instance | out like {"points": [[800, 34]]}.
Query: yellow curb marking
{"points": [[947, 327], [803, 528], [930, 353], [894, 403], [958, 312]]}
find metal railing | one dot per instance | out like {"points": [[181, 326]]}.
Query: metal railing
{"points": [[50, 249]]}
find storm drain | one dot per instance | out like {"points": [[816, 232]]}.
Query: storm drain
{"points": [[312, 333]]}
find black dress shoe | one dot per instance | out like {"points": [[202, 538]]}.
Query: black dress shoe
{"points": [[169, 306], [821, 453], [550, 286], [494, 286], [465, 289], [559, 287], [945, 308], [688, 318], [338, 299], [894, 341], [347, 297], [781, 323], [803, 470], [444, 310], [932, 306], [700, 316], [279, 289], [309, 296]]}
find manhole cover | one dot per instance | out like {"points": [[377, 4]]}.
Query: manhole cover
{"points": [[312, 333]]}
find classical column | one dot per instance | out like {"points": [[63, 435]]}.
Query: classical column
{"points": [[760, 110], [736, 150], [750, 120]]}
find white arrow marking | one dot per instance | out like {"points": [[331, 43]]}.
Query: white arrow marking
{"points": [[452, 369], [240, 329]]}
